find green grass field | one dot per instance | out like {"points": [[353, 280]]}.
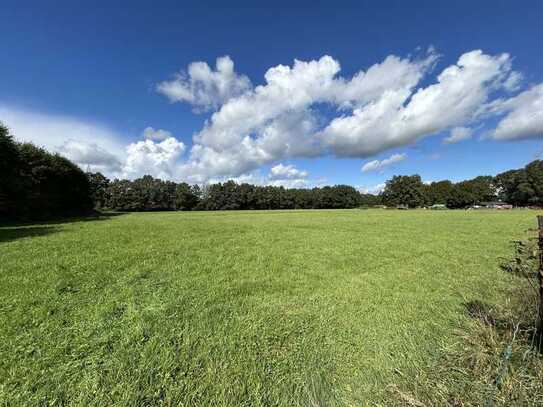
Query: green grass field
{"points": [[241, 308]]}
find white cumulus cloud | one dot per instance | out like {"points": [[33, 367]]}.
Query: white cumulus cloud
{"points": [[278, 120], [306, 109], [206, 88], [377, 165], [147, 157], [401, 117], [524, 116], [374, 189], [281, 171], [90, 156], [458, 134], [287, 176], [376, 110], [157, 135]]}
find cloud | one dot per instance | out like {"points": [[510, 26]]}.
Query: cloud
{"points": [[393, 74], [306, 109], [287, 90], [159, 159], [400, 117], [86, 143], [377, 165], [278, 119], [281, 171], [374, 190], [376, 110], [158, 135], [287, 176], [96, 147], [288, 136], [290, 183], [204, 88], [90, 156], [523, 116], [458, 134], [513, 82]]}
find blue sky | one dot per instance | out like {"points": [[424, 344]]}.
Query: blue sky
{"points": [[85, 80]]}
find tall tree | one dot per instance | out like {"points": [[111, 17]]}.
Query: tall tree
{"points": [[186, 197], [523, 186], [483, 188], [11, 189], [54, 185], [462, 196], [439, 192], [406, 190], [534, 173], [98, 184]]}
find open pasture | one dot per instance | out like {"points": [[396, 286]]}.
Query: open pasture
{"points": [[240, 308]]}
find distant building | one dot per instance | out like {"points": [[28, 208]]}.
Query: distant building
{"points": [[494, 205]]}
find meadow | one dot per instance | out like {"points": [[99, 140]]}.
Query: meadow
{"points": [[247, 308]]}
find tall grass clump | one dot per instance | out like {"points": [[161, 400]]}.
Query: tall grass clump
{"points": [[496, 360]]}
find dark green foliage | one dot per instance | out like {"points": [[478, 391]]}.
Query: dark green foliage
{"points": [[483, 188], [338, 196], [471, 192], [439, 192], [461, 197], [54, 186], [149, 194], [10, 189], [405, 190], [523, 187], [37, 184], [410, 191], [519, 187], [369, 200], [143, 194], [99, 189], [534, 175], [186, 197]]}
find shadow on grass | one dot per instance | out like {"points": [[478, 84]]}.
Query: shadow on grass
{"points": [[13, 230], [91, 217], [97, 216], [13, 233]]}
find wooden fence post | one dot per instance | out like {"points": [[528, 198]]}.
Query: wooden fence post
{"points": [[539, 332]]}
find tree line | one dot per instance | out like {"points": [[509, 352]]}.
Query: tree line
{"points": [[522, 187], [410, 191], [37, 184], [152, 194]]}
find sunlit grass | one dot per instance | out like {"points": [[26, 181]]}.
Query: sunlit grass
{"points": [[240, 308]]}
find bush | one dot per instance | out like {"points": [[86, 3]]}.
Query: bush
{"points": [[37, 184], [525, 259]]}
